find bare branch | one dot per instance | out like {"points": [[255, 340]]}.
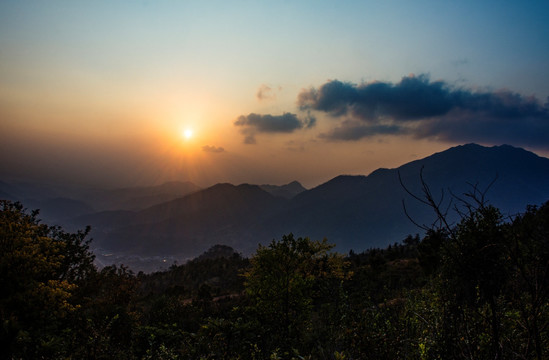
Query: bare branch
{"points": [[409, 192], [422, 227], [428, 199]]}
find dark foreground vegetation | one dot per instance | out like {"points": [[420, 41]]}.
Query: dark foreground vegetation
{"points": [[477, 289]]}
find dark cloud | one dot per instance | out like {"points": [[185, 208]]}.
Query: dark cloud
{"points": [[212, 149], [532, 131], [352, 130], [427, 108], [412, 98], [286, 123]]}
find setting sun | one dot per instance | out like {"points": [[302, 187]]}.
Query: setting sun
{"points": [[187, 134]]}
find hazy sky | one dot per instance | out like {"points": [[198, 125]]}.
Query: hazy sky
{"points": [[102, 92]]}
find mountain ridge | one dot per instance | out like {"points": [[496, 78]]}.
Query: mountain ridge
{"points": [[353, 211]]}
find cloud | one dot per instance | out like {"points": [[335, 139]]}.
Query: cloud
{"points": [[212, 149], [265, 92], [351, 130], [412, 98], [286, 123], [428, 109]]}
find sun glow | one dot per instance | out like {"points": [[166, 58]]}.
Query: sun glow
{"points": [[188, 134]]}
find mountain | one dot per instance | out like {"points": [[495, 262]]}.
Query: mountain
{"points": [[287, 191], [357, 212], [58, 203], [138, 198], [354, 212], [6, 191], [59, 209], [179, 221], [24, 191], [53, 202], [223, 213]]}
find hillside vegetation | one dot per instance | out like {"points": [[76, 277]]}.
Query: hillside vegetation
{"points": [[476, 289]]}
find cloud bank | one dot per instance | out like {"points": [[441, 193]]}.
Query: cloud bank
{"points": [[428, 109], [255, 123]]}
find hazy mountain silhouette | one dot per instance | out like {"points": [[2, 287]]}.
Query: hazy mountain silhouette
{"points": [[355, 212], [287, 191], [362, 211], [57, 210], [55, 203], [138, 198], [25, 191], [6, 191], [58, 203], [223, 213]]}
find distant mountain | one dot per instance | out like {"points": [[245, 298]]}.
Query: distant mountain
{"points": [[138, 198], [287, 191], [6, 191], [58, 203], [354, 212], [51, 200], [56, 210], [24, 191], [222, 214], [179, 220]]}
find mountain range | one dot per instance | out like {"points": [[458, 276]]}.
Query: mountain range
{"points": [[352, 211]]}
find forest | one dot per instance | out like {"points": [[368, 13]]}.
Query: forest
{"points": [[474, 289]]}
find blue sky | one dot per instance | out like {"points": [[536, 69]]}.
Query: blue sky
{"points": [[108, 87]]}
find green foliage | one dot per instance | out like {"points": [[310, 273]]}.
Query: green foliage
{"points": [[474, 271], [288, 283], [528, 292], [215, 268], [108, 318], [41, 269], [479, 289]]}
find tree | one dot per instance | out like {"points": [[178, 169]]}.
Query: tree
{"points": [[108, 317], [286, 282], [40, 271], [475, 270], [473, 264], [528, 252]]}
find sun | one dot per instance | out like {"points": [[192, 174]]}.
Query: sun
{"points": [[188, 134]]}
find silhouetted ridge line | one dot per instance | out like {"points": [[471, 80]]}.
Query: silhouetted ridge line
{"points": [[353, 211]]}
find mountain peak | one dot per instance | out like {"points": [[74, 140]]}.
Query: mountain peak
{"points": [[287, 191]]}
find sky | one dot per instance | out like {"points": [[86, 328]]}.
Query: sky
{"points": [[124, 93]]}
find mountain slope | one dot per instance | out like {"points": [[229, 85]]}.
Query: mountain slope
{"points": [[223, 213], [139, 198], [56, 210], [362, 211], [354, 212], [287, 191], [57, 203]]}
